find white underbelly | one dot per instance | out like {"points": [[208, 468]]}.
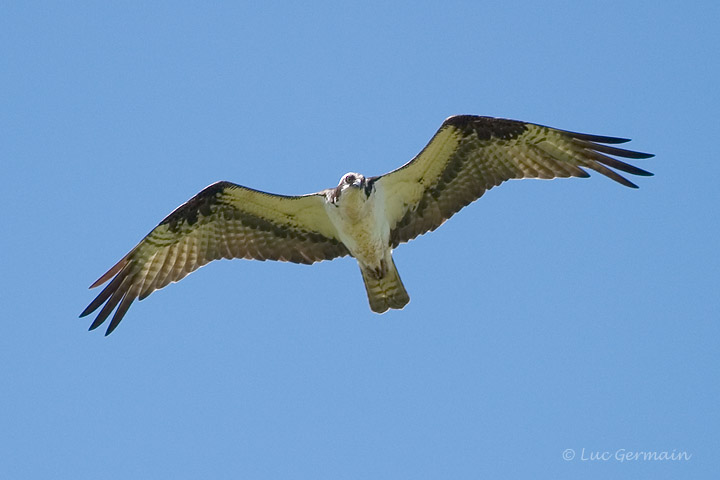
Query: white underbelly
{"points": [[364, 242], [362, 227]]}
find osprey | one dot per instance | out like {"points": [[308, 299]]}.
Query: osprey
{"points": [[364, 217]]}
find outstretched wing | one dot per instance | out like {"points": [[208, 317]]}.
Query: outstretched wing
{"points": [[222, 221], [469, 155]]}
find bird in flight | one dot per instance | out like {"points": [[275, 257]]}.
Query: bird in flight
{"points": [[364, 217]]}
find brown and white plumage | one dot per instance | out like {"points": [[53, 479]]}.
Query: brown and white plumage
{"points": [[222, 221], [361, 217], [470, 155]]}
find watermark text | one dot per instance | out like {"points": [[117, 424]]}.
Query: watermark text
{"points": [[625, 455]]}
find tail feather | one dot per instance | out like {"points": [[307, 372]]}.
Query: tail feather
{"points": [[385, 292]]}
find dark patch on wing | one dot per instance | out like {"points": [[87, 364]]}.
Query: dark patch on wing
{"points": [[200, 204], [487, 127], [258, 223], [474, 130], [369, 185]]}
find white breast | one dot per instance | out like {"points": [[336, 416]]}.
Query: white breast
{"points": [[362, 224]]}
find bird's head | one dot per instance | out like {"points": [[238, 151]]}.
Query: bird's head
{"points": [[350, 183], [351, 180]]}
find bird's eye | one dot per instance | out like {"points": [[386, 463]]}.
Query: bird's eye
{"points": [[350, 179]]}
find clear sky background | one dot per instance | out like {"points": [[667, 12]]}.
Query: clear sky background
{"points": [[550, 315]]}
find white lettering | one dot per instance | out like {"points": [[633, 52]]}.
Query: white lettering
{"points": [[623, 455]]}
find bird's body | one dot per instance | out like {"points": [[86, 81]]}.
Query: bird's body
{"points": [[362, 217], [358, 215], [357, 210]]}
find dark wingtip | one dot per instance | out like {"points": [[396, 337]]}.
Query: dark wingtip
{"points": [[624, 181], [621, 180], [98, 321], [113, 325]]}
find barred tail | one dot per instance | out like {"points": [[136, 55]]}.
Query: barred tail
{"points": [[384, 292]]}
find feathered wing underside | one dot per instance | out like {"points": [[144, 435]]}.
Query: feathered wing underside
{"points": [[222, 221], [469, 155]]}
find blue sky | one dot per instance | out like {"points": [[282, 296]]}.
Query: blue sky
{"points": [[571, 314]]}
